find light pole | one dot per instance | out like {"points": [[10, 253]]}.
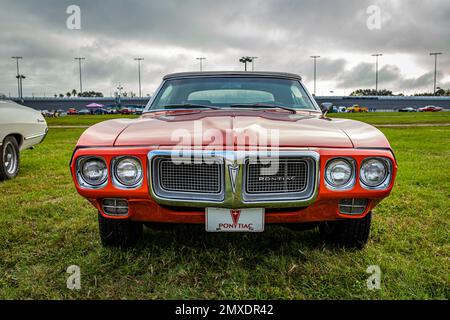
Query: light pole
{"points": [[200, 59], [253, 62], [139, 71], [315, 71], [18, 79], [79, 67], [376, 55], [244, 60], [120, 88], [435, 54]]}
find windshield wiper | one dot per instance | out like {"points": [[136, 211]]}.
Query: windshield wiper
{"points": [[262, 105], [189, 105]]}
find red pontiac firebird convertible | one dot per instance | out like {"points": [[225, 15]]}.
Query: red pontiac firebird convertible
{"points": [[234, 151]]}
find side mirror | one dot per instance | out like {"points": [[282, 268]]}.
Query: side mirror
{"points": [[326, 107]]}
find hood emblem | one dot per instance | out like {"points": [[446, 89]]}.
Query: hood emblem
{"points": [[233, 170]]}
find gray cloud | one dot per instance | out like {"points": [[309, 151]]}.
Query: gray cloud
{"points": [[170, 34]]}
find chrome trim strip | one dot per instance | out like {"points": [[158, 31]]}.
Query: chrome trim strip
{"points": [[35, 136], [234, 198]]}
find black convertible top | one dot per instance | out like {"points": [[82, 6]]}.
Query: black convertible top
{"points": [[261, 74]]}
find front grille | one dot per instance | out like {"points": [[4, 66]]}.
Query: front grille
{"points": [[190, 177], [284, 176], [226, 180]]}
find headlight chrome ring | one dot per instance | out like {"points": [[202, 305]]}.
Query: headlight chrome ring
{"points": [[375, 173], [340, 173], [92, 172], [127, 172]]}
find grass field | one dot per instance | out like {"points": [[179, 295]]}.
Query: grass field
{"points": [[373, 118], [397, 117], [46, 227]]}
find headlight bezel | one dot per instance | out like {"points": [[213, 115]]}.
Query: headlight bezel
{"points": [[82, 181], [117, 180], [387, 179], [352, 180]]}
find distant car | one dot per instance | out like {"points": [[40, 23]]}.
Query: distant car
{"points": [[84, 112], [72, 111], [407, 109], [357, 108], [430, 109], [100, 111], [45, 113], [20, 128], [112, 111], [342, 109], [125, 111]]}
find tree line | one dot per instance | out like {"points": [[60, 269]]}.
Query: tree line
{"points": [[384, 92]]}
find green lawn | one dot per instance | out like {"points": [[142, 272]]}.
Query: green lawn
{"points": [[396, 117], [372, 118], [46, 227], [86, 120]]}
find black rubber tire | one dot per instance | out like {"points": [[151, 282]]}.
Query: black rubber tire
{"points": [[119, 233], [4, 174], [350, 233]]}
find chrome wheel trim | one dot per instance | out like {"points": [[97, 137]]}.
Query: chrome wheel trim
{"points": [[10, 158]]}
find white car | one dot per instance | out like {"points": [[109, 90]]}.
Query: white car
{"points": [[20, 128]]}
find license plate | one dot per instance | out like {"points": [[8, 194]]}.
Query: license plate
{"points": [[234, 220]]}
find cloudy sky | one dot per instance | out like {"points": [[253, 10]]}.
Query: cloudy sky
{"points": [[170, 34]]}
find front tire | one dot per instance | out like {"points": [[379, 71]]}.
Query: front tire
{"points": [[350, 233], [118, 232], [10, 159]]}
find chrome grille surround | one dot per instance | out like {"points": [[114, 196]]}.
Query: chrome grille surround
{"points": [[294, 180], [188, 181], [290, 176], [233, 181]]}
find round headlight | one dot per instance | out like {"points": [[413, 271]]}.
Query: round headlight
{"points": [[374, 172], [128, 171], [339, 173], [94, 171]]}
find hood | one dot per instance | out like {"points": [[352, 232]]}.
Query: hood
{"points": [[232, 127]]}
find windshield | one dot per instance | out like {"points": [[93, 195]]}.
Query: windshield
{"points": [[232, 92]]}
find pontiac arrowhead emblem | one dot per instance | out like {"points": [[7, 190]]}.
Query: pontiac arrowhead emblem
{"points": [[235, 214], [233, 169]]}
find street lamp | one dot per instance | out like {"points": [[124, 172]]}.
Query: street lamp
{"points": [[79, 67], [315, 71], [120, 88], [376, 55], [17, 76], [435, 54], [244, 60], [139, 72], [20, 77], [253, 62], [200, 59]]}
